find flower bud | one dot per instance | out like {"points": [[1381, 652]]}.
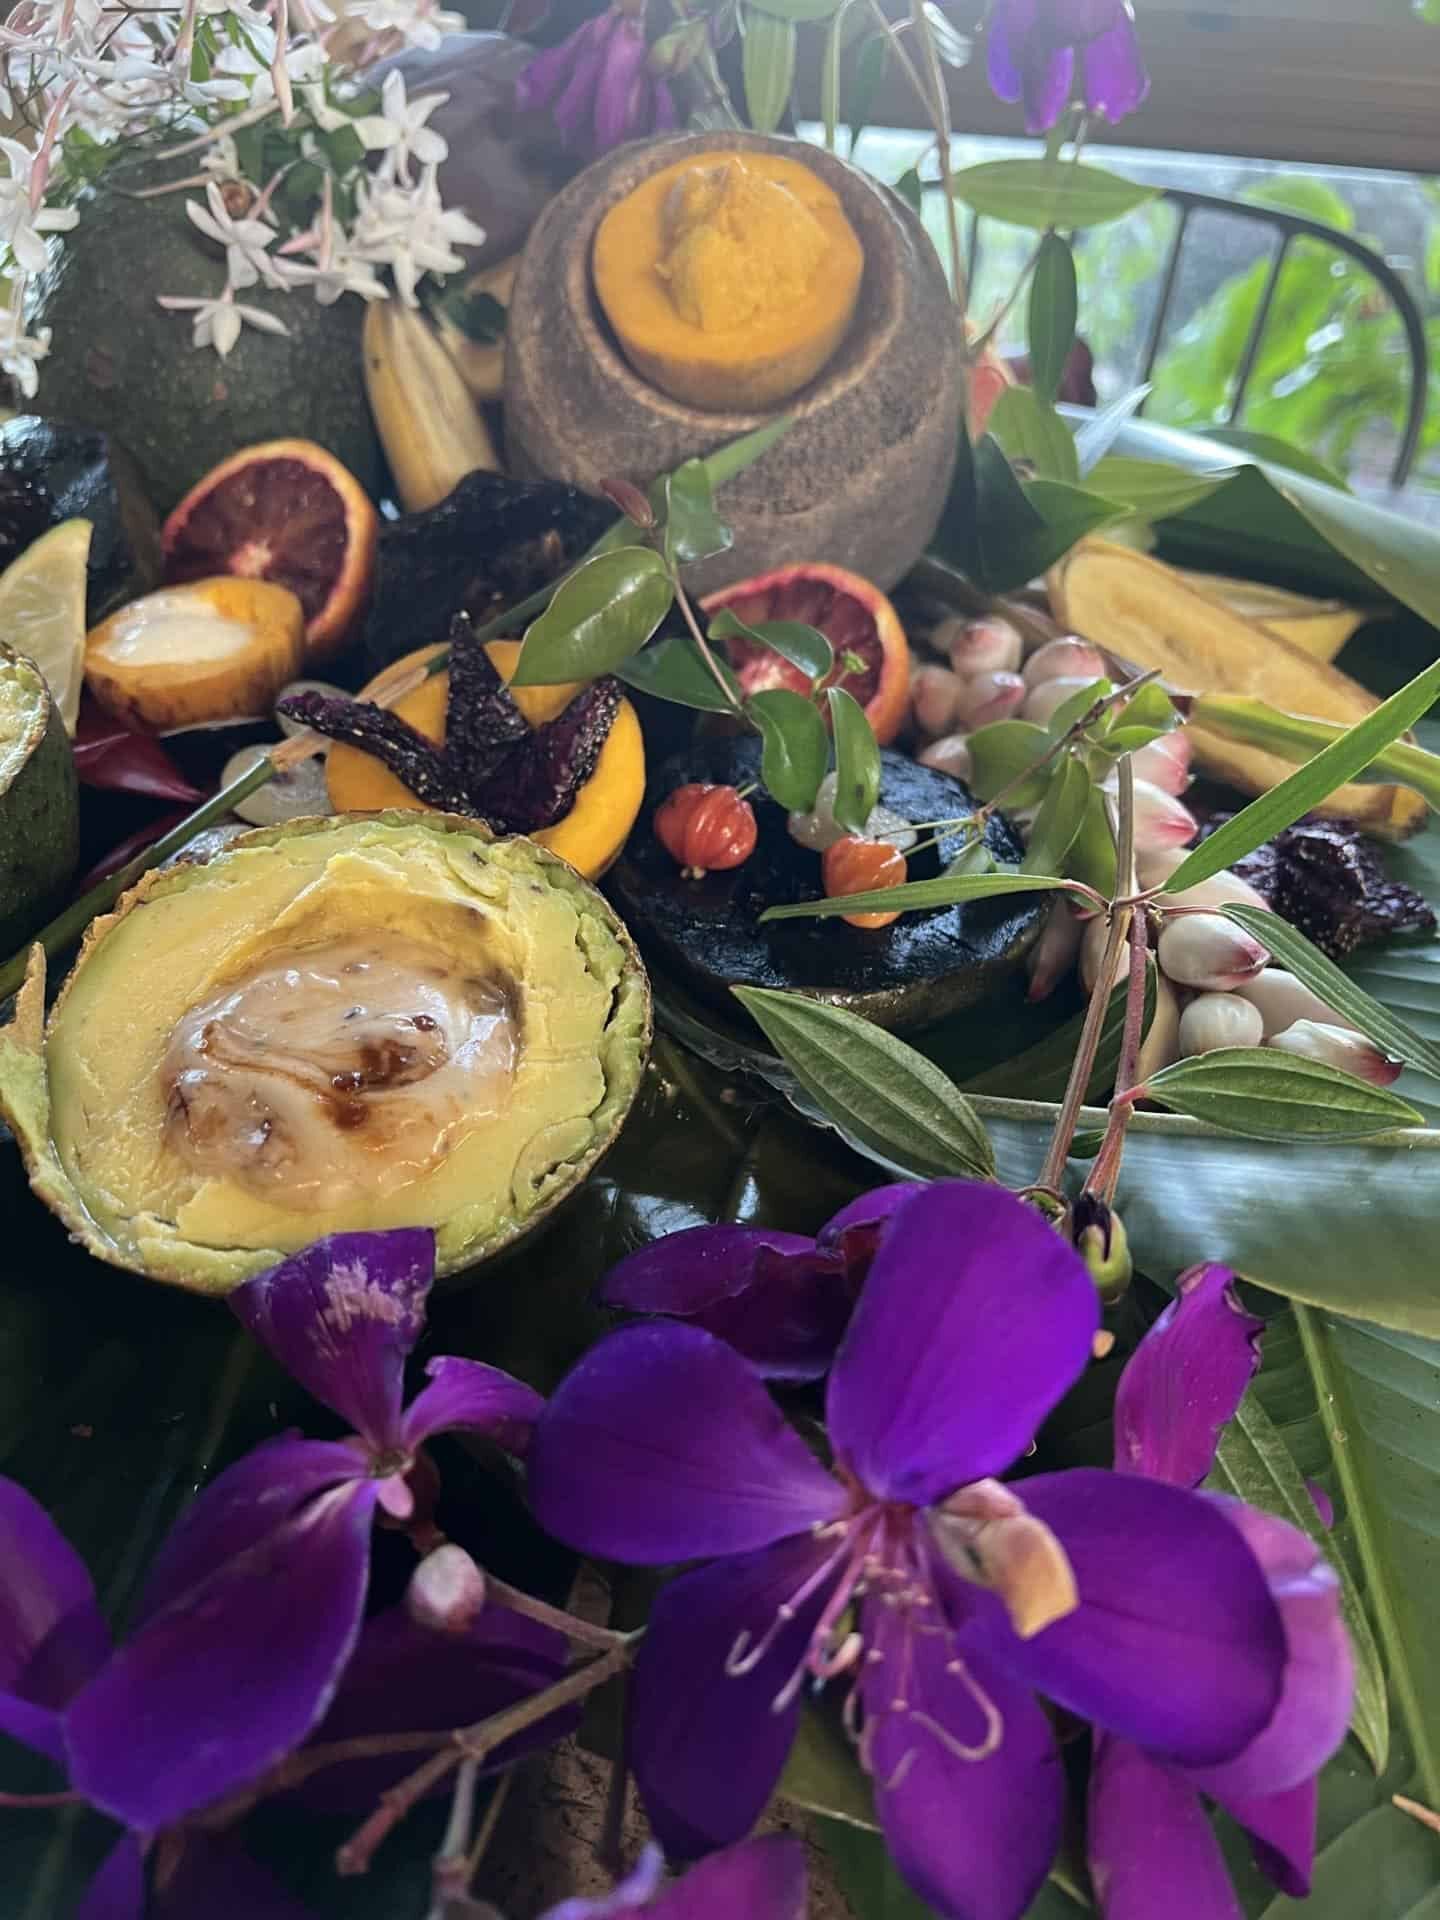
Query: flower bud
{"points": [[1202, 950], [950, 755], [1092, 953], [935, 700], [1068, 659], [1215, 1020], [446, 1591], [1161, 1045], [1044, 700], [985, 646], [1160, 819], [1100, 1240], [1053, 954], [1165, 763], [1282, 1000], [1339, 1047], [987, 697], [1223, 889]]}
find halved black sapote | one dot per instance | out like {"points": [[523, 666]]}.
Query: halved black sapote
{"points": [[51, 472], [707, 933]]}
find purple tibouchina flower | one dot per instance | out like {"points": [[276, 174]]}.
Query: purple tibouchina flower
{"points": [[598, 85], [1035, 46], [1137, 1605], [782, 1300], [1152, 1849], [758, 1880]]}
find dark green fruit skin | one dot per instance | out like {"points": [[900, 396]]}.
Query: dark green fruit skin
{"points": [[121, 363], [88, 476], [39, 827], [707, 935]]}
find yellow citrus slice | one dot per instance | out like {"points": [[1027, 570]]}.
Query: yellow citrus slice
{"points": [[42, 610]]}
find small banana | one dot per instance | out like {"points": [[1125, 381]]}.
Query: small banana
{"points": [[429, 425]]}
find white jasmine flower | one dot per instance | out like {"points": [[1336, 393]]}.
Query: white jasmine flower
{"points": [[244, 239], [217, 323], [421, 23], [21, 353], [407, 230], [22, 227], [399, 129]]}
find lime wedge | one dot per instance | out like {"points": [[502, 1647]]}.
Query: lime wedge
{"points": [[42, 610]]}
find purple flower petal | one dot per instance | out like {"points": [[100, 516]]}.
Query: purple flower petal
{"points": [[856, 1229], [52, 1635], [771, 1296], [760, 1879], [467, 1396], [1282, 1834], [622, 79], [707, 1745], [664, 115], [259, 1493], [40, 1728], [539, 85], [217, 1880], [1009, 23], [1152, 1848], [118, 1890], [1115, 81], [974, 1320], [662, 1445], [974, 1836], [1185, 1380], [1313, 1711], [633, 1894], [404, 1677], [341, 1316], [574, 110], [224, 1682], [1176, 1643], [1046, 81], [1324, 1506]]}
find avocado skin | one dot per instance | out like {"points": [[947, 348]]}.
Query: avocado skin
{"points": [[39, 827], [124, 365], [83, 475], [707, 933]]}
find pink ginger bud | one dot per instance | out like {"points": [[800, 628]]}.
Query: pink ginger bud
{"points": [[1067, 659], [1215, 1020], [1161, 1045], [446, 1591], [987, 697], [1222, 889], [1043, 701], [1339, 1047], [1282, 1000], [1165, 763], [1160, 819], [951, 755], [1053, 954], [1203, 951], [985, 646], [1092, 953], [935, 700]]}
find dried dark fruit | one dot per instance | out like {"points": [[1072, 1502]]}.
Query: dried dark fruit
{"points": [[537, 784], [482, 722], [1326, 879], [393, 741]]}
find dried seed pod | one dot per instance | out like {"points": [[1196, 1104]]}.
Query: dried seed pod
{"points": [[1054, 953], [1067, 659], [987, 697], [1165, 763], [1161, 1045], [1282, 1000], [951, 755], [935, 695], [1339, 1047], [1203, 951], [1042, 701], [985, 646], [1214, 1020]]}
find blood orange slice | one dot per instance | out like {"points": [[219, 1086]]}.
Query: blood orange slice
{"points": [[872, 655], [285, 511]]}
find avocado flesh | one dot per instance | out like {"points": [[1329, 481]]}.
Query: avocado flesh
{"points": [[39, 801], [505, 928]]}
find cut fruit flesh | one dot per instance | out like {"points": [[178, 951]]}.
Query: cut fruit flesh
{"points": [[42, 610]]}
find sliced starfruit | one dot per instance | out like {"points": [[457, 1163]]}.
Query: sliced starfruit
{"points": [[1148, 614], [1319, 627]]}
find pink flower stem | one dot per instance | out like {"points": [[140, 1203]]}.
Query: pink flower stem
{"points": [[570, 1624]]}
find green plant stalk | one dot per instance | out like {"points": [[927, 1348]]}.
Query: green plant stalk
{"points": [[1256, 724], [939, 109]]}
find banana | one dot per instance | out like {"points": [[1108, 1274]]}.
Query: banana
{"points": [[429, 425], [1320, 627], [481, 363]]}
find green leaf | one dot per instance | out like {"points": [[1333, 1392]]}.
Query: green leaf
{"points": [[479, 316], [857, 760], [800, 11], [1292, 950], [601, 614], [1095, 437], [1068, 514], [1076, 707], [830, 72], [1279, 453], [672, 669], [1266, 1095], [1331, 768], [1048, 193], [1000, 754], [1254, 1463], [1093, 858], [726, 462], [1154, 491], [1293, 738], [768, 68], [693, 529], [1054, 308], [871, 60], [873, 1086], [804, 647], [1042, 1072], [1029, 428], [945, 891], [911, 189], [796, 749], [1061, 815]]}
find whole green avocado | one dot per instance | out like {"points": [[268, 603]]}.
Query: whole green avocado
{"points": [[122, 363]]}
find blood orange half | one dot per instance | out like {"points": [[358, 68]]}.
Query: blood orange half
{"points": [[872, 655], [285, 511]]}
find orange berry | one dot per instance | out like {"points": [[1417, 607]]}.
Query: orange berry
{"points": [[706, 829], [853, 865]]}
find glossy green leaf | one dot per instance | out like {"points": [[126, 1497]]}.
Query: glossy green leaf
{"points": [[857, 760], [672, 669], [1266, 1095], [726, 462], [601, 614], [1095, 437], [915, 895], [800, 11], [1068, 514], [1153, 491], [1093, 858], [1278, 453], [1029, 429], [804, 647], [1356, 1008], [1054, 308], [796, 747], [911, 189], [1061, 815], [1000, 754], [1254, 1463], [1070, 711], [874, 1085], [1258, 724], [1318, 778], [768, 68], [872, 57], [693, 529], [1048, 193]]}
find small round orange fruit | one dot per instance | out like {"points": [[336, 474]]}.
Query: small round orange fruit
{"points": [[596, 827], [705, 828], [853, 865]]}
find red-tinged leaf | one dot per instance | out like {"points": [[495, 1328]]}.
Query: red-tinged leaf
{"points": [[118, 760]]}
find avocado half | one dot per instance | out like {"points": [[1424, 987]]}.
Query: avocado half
{"points": [[39, 801], [707, 933], [197, 1105]]}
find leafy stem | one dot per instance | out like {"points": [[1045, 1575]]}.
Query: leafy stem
{"points": [[687, 614], [1105, 1172]]}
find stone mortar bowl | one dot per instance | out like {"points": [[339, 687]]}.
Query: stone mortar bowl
{"points": [[862, 474]]}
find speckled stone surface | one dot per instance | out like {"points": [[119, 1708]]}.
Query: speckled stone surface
{"points": [[860, 478], [707, 933]]}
